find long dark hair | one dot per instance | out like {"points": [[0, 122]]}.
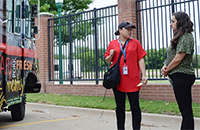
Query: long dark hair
{"points": [[184, 25]]}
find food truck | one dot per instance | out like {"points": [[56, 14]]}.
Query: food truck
{"points": [[19, 70]]}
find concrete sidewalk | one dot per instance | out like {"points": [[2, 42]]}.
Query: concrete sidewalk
{"points": [[149, 121], [164, 122], [76, 118]]}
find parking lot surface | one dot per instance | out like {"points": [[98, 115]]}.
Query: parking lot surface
{"points": [[53, 117]]}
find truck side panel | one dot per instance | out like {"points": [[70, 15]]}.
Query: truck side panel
{"points": [[18, 60], [2, 48]]}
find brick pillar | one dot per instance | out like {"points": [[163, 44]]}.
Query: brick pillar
{"points": [[127, 12], [42, 49]]}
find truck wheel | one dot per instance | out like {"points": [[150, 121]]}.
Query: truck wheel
{"points": [[18, 110]]}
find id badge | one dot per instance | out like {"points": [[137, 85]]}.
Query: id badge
{"points": [[125, 70]]}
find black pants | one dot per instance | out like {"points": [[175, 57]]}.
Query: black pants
{"points": [[182, 84], [120, 99]]}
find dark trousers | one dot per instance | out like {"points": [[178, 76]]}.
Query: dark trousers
{"points": [[182, 84], [120, 100]]}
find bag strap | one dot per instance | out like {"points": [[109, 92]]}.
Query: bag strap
{"points": [[120, 55]]}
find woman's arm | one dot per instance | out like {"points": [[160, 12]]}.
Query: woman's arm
{"points": [[142, 69], [110, 57], [175, 62]]}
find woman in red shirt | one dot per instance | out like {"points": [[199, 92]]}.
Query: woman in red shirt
{"points": [[131, 64]]}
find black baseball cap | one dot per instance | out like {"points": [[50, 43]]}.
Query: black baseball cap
{"points": [[125, 24]]}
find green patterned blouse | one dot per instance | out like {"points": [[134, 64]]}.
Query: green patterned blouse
{"points": [[186, 45]]}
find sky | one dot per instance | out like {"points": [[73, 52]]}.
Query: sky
{"points": [[102, 3]]}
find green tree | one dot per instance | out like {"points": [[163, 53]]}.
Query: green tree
{"points": [[79, 30], [69, 6], [75, 26], [196, 61], [56, 56], [155, 58], [80, 27], [88, 58]]}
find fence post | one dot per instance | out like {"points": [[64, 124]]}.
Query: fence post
{"points": [[127, 12], [96, 44], [42, 47], [70, 67]]}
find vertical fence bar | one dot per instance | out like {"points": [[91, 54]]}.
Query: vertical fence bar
{"points": [[195, 38], [137, 17], [198, 19], [90, 48], [103, 34], [158, 31], [70, 67], [155, 42], [49, 53], [147, 37], [96, 44], [172, 2]]}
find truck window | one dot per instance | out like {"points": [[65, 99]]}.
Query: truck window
{"points": [[9, 16], [17, 21], [14, 18], [3, 21], [28, 20]]}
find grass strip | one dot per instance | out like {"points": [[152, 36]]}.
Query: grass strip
{"points": [[147, 106]]}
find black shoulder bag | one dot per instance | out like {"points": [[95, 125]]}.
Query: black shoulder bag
{"points": [[112, 76]]}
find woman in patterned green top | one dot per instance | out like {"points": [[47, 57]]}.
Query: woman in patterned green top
{"points": [[178, 66]]}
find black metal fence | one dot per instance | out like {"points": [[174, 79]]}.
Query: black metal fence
{"points": [[154, 17], [84, 38]]}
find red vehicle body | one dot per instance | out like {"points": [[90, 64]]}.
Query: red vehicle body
{"points": [[19, 72]]}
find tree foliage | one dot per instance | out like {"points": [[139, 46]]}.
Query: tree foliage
{"points": [[72, 26], [75, 27], [88, 58], [56, 56], [78, 30], [69, 6], [196, 61], [155, 58]]}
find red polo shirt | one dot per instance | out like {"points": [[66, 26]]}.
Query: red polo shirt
{"points": [[134, 52]]}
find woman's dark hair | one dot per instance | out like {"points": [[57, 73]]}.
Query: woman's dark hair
{"points": [[184, 25]]}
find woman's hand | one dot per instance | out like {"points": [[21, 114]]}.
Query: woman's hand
{"points": [[164, 71], [110, 57], [142, 69], [112, 52], [144, 80]]}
